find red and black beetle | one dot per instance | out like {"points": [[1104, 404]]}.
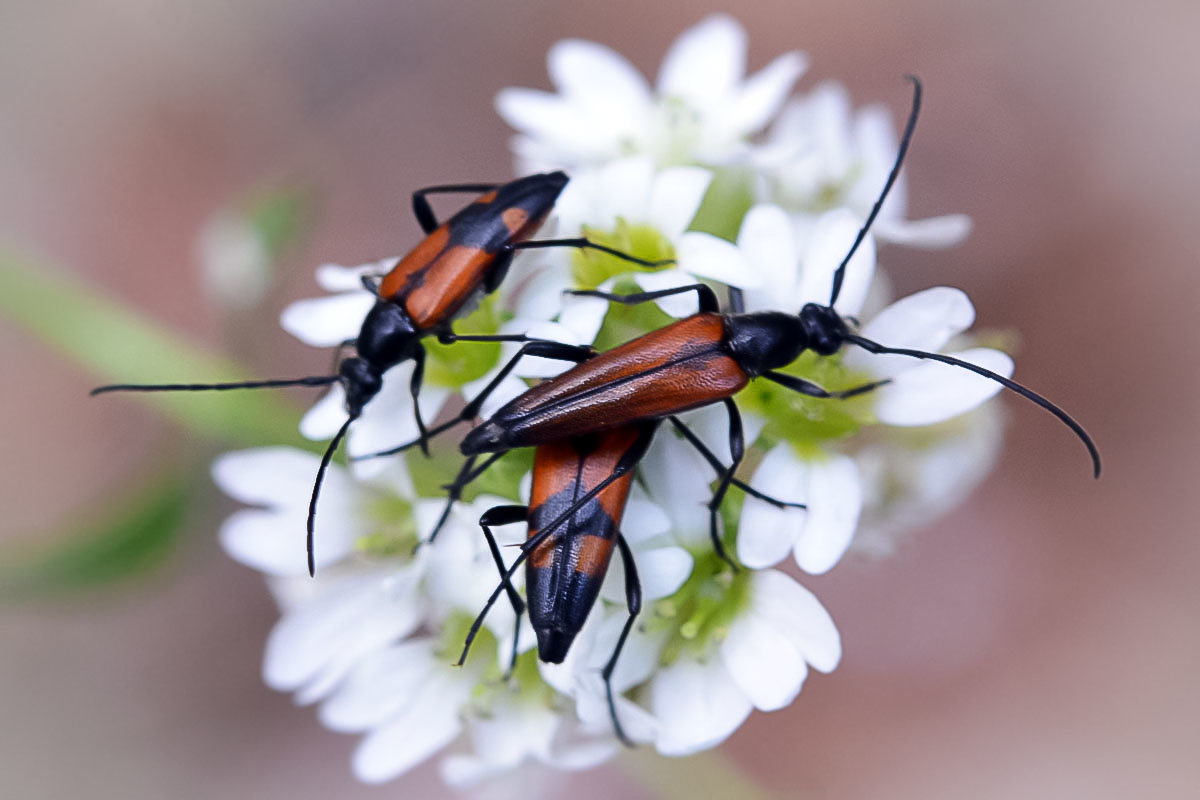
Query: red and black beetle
{"points": [[424, 292], [703, 359], [577, 500]]}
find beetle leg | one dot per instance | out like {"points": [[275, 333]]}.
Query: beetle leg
{"points": [[585, 244], [633, 601], [716, 464], [466, 475], [506, 515], [414, 388], [424, 212], [626, 463], [737, 300], [737, 448], [704, 293], [813, 390], [537, 347]]}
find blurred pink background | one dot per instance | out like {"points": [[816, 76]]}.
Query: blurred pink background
{"points": [[1041, 641]]}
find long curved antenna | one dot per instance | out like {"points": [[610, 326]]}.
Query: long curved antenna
{"points": [[840, 273], [317, 380], [1064, 417], [312, 504]]}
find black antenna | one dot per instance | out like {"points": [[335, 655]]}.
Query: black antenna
{"points": [[312, 504], [875, 347], [318, 380], [840, 273]]}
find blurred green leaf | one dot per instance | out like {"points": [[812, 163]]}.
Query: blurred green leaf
{"points": [[281, 217], [119, 345], [133, 539]]}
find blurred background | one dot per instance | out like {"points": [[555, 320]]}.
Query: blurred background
{"points": [[1041, 641]]}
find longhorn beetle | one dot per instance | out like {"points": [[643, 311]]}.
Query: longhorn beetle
{"points": [[565, 572], [703, 359], [423, 293]]}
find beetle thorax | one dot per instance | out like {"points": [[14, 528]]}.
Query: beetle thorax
{"points": [[765, 340], [387, 336], [824, 328]]}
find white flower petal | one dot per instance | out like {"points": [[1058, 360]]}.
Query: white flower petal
{"points": [[582, 316], [661, 571], [549, 117], [676, 305], [829, 242], [327, 321], [766, 534], [271, 476], [697, 705], [706, 61], [708, 256], [922, 321], [768, 241], [797, 616], [679, 479], [763, 664], [599, 79], [324, 419], [643, 519], [336, 278], [931, 392], [381, 686], [675, 198], [933, 233], [271, 542], [354, 615], [513, 732], [425, 726], [834, 505], [541, 298], [764, 92], [624, 191], [593, 710]]}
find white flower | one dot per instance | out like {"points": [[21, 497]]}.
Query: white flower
{"points": [[817, 158], [799, 260], [373, 638], [704, 109]]}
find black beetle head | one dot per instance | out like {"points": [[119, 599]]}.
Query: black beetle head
{"points": [[825, 329], [362, 382]]}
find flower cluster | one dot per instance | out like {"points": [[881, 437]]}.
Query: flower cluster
{"points": [[742, 188]]}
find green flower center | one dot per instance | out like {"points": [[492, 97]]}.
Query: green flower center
{"points": [[453, 365], [394, 529], [700, 613]]}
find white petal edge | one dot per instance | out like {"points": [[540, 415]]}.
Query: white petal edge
{"points": [[706, 61], [766, 534], [835, 500], [931, 392], [327, 321]]}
